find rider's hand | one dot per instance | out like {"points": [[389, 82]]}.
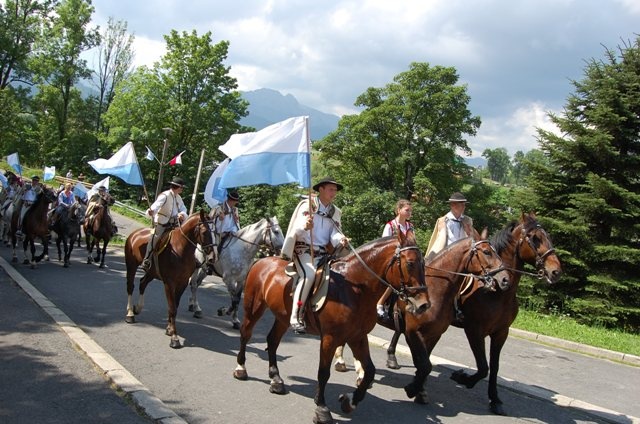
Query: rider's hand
{"points": [[182, 216], [309, 224], [344, 242]]}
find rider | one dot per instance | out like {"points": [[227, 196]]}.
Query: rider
{"points": [[91, 205], [226, 218], [29, 194], [314, 226], [167, 212], [12, 190], [453, 226], [65, 200], [399, 223]]}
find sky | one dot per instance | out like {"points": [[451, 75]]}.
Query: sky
{"points": [[517, 58]]}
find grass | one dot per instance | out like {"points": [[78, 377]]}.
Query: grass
{"points": [[568, 329]]}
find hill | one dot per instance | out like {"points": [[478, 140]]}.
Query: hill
{"points": [[267, 106]]}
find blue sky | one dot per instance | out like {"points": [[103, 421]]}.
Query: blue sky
{"points": [[516, 57]]}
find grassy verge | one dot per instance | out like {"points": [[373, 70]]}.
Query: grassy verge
{"points": [[567, 329]]}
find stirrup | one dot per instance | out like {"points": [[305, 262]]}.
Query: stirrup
{"points": [[299, 328], [146, 265]]}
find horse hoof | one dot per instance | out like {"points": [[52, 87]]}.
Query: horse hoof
{"points": [[130, 319], [345, 403], [66, 265], [322, 416], [190, 308], [277, 388], [340, 367], [411, 390], [392, 363], [421, 398], [175, 344], [236, 326], [221, 311], [240, 375], [496, 408], [197, 314]]}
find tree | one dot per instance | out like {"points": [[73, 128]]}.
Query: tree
{"points": [[115, 60], [590, 190], [498, 163], [408, 132], [190, 91], [20, 24]]}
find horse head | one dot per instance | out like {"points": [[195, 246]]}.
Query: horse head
{"points": [[77, 212], [204, 236], [485, 264], [48, 194], [535, 247], [273, 237]]}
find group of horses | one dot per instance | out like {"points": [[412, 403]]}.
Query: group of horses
{"points": [[451, 289], [67, 228]]}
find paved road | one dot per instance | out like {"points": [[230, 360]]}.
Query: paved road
{"points": [[52, 381]]}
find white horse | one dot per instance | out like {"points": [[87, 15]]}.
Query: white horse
{"points": [[236, 257]]}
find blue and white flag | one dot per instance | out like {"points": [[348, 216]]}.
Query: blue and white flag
{"points": [[104, 182], [123, 164], [14, 161], [213, 193], [150, 155], [278, 154], [3, 180], [49, 173], [80, 191]]}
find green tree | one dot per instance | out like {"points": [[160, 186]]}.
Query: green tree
{"points": [[498, 163], [590, 190], [404, 141], [190, 91]]}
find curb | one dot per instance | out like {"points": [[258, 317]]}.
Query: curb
{"points": [[111, 369]]}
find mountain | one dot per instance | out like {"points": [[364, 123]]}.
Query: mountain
{"points": [[476, 162], [267, 106]]}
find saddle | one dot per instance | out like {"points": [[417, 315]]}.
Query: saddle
{"points": [[320, 287]]}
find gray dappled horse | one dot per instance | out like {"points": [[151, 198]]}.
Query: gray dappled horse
{"points": [[234, 260]]}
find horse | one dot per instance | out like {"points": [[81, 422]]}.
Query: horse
{"points": [[233, 263], [67, 228], [491, 313], [444, 276], [34, 224], [174, 264], [100, 228], [356, 282]]}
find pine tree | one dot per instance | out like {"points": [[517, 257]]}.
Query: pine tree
{"points": [[591, 191]]}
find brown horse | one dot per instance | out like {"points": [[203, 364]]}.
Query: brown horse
{"points": [[100, 228], [173, 265], [348, 315], [491, 314], [34, 224], [444, 275]]}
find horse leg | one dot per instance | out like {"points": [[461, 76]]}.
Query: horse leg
{"points": [[89, 244], [274, 337], [420, 353], [360, 349], [339, 365], [495, 347], [392, 362], [194, 282], [105, 242], [25, 245], [476, 342], [253, 310], [173, 300], [58, 240]]}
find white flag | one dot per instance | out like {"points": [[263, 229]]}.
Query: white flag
{"points": [[213, 193], [123, 164]]}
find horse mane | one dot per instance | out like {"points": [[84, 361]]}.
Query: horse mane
{"points": [[447, 249], [504, 238]]}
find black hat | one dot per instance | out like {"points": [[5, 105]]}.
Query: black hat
{"points": [[177, 182], [457, 197], [326, 180], [36, 178], [233, 195], [102, 188]]}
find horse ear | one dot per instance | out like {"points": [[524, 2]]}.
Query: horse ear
{"points": [[202, 216], [485, 233], [401, 237]]}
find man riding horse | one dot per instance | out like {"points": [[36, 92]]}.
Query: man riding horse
{"points": [[226, 218], [94, 200], [29, 194]]}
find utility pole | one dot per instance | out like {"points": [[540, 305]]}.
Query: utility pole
{"points": [[195, 188], [167, 133]]}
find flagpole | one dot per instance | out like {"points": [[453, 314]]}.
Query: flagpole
{"points": [[195, 187], [167, 132], [306, 124]]}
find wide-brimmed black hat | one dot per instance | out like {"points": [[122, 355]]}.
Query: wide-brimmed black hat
{"points": [[457, 197], [233, 195], [326, 180], [36, 178], [102, 188], [177, 182]]}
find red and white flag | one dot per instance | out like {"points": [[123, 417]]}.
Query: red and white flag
{"points": [[177, 160]]}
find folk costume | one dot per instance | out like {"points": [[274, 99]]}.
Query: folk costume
{"points": [[449, 229], [299, 242], [167, 212], [29, 194], [226, 218]]}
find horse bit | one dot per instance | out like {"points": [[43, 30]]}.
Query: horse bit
{"points": [[539, 258]]}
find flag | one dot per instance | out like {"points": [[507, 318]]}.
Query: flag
{"points": [[104, 182], [49, 173], [123, 164], [14, 161], [150, 155], [278, 154], [177, 160], [80, 191], [213, 193], [3, 180]]}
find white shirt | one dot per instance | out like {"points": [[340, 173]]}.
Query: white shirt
{"points": [[324, 231], [455, 231], [228, 223], [167, 206], [388, 228]]}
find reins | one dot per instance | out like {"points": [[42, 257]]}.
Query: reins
{"points": [[263, 244], [539, 274]]}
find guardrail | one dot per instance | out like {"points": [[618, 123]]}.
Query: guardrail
{"points": [[131, 208]]}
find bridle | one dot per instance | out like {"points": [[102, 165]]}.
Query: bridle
{"points": [[405, 291], [266, 244], [207, 249], [540, 258]]}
